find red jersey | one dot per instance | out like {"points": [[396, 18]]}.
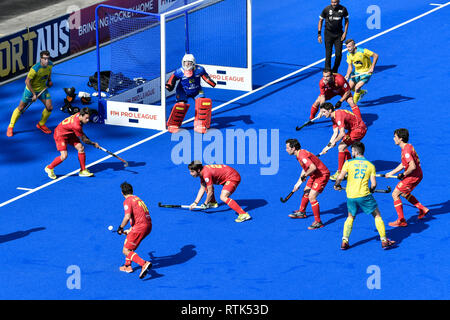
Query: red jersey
{"points": [[139, 214], [348, 120], [408, 154], [70, 126], [306, 158], [218, 174], [339, 86]]}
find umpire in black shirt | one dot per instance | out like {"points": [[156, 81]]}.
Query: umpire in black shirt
{"points": [[334, 33]]}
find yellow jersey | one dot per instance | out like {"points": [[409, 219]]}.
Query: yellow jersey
{"points": [[39, 76], [359, 171], [360, 59]]}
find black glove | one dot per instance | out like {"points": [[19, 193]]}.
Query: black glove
{"points": [[303, 178], [338, 104], [372, 189], [401, 176], [120, 230], [337, 186]]}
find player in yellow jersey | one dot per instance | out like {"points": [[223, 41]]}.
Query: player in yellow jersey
{"points": [[37, 82], [360, 171], [360, 59]]}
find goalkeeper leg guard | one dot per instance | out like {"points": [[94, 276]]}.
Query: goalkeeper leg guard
{"points": [[202, 120], [177, 116]]}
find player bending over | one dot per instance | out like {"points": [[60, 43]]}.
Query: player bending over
{"points": [[189, 86], [360, 171], [137, 214], [319, 175], [220, 174], [360, 59], [342, 120], [70, 131], [410, 178], [331, 85], [37, 83]]}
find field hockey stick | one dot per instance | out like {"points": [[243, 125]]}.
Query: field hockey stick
{"points": [[287, 198], [383, 175], [183, 206], [387, 190], [125, 163], [307, 123], [31, 102]]}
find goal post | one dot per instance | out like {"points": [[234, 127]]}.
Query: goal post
{"points": [[141, 50]]}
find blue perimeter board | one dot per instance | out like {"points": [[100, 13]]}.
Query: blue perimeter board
{"points": [[199, 255]]}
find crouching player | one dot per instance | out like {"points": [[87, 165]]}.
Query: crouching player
{"points": [[360, 171], [319, 175], [70, 131], [410, 178], [136, 212], [189, 86], [220, 174]]}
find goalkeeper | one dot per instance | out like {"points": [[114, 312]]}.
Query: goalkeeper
{"points": [[189, 86]]}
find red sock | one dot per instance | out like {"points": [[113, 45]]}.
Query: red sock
{"points": [[356, 111], [416, 203], [304, 203], [233, 205], [314, 109], [55, 162], [133, 256], [82, 159], [348, 155], [316, 210], [399, 208]]}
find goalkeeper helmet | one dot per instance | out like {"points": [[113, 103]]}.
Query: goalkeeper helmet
{"points": [[188, 64]]}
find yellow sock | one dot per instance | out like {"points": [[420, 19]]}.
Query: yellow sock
{"points": [[348, 225], [356, 96], [380, 227], [15, 116], [45, 115]]}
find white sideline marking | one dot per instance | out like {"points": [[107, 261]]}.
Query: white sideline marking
{"points": [[436, 4], [221, 106], [26, 189]]}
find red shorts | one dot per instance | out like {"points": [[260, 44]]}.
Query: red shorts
{"points": [[62, 142], [354, 135], [408, 184], [231, 185], [135, 237], [319, 183], [330, 94]]}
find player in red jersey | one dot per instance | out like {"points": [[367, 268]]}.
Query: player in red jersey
{"points": [[342, 120], [220, 174], [410, 178], [70, 131], [136, 213], [331, 85], [319, 175]]}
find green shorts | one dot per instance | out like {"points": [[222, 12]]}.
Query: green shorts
{"points": [[367, 204], [27, 95], [364, 77]]}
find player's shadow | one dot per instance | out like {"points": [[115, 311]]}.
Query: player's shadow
{"points": [[116, 166], [186, 253], [395, 98], [268, 71], [339, 213], [382, 165], [245, 204], [379, 68], [18, 234]]}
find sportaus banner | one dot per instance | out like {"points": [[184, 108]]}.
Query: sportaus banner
{"points": [[20, 51]]}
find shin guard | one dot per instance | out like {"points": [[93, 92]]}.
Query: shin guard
{"points": [[177, 116], [202, 120]]}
